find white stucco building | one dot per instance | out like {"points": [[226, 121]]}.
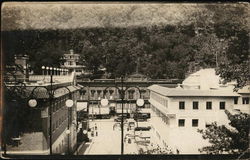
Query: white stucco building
{"points": [[72, 63], [177, 113]]}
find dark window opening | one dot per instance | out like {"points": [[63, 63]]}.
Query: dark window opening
{"points": [[195, 105], [209, 105], [245, 100], [222, 105], [236, 100], [181, 105], [181, 122], [195, 122], [131, 95]]}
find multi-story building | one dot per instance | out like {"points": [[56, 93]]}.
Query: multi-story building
{"points": [[184, 111], [178, 112], [72, 63], [48, 125], [242, 103], [135, 85]]}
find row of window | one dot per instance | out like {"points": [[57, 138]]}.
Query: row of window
{"points": [[59, 103], [99, 93], [71, 57], [245, 100], [57, 123], [69, 63], [196, 105], [181, 122]]}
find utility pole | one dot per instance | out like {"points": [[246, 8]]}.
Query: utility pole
{"points": [[122, 97], [50, 113]]}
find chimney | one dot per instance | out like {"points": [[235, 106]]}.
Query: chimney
{"points": [[23, 73]]}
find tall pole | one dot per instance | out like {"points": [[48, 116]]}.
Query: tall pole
{"points": [[216, 59], [50, 115], [88, 109], [4, 135], [99, 106], [92, 110], [122, 97], [69, 120]]}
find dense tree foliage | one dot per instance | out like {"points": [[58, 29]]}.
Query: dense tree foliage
{"points": [[228, 140], [217, 36]]}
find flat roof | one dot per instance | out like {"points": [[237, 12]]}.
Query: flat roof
{"points": [[245, 90], [180, 92]]}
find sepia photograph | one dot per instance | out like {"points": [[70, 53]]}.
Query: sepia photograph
{"points": [[125, 80]]}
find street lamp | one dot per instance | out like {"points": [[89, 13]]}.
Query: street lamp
{"points": [[99, 98], [51, 70], [54, 71], [69, 104], [47, 70], [139, 102], [85, 131], [33, 103], [43, 68]]}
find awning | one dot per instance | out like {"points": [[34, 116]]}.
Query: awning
{"points": [[81, 106], [42, 92], [101, 110]]}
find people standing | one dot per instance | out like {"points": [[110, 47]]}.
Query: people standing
{"points": [[96, 132], [95, 127]]}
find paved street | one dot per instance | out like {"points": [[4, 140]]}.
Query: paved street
{"points": [[108, 138], [107, 141]]}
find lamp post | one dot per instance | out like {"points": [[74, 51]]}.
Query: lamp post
{"points": [[69, 104], [99, 98], [47, 70], [140, 102], [51, 70], [54, 71], [43, 68], [33, 103]]}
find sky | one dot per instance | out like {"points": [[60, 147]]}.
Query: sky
{"points": [[27, 15]]}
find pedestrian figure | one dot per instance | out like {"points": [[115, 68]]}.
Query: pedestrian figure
{"points": [[177, 151], [92, 133], [95, 127], [129, 140], [96, 133]]}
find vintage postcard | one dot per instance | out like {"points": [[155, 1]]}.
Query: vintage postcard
{"points": [[125, 79]]}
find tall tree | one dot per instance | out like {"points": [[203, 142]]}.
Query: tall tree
{"points": [[228, 140]]}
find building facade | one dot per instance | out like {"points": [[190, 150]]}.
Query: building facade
{"points": [[135, 86], [178, 112], [72, 63], [47, 125], [182, 112]]}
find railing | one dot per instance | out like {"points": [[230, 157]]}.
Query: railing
{"points": [[46, 78]]}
